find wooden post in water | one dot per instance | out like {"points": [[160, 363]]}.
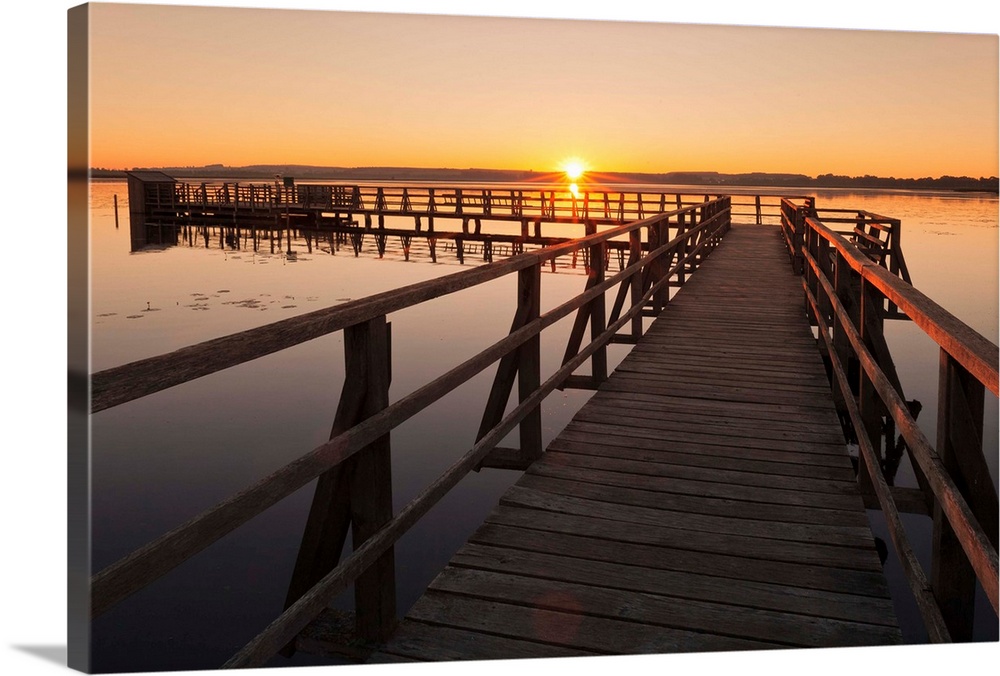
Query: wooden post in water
{"points": [[869, 325], [635, 283], [663, 263], [598, 310], [356, 494], [116, 211], [960, 446], [529, 360], [524, 363], [799, 228], [847, 284]]}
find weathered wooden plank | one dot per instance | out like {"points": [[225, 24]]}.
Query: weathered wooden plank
{"points": [[618, 443], [736, 313], [428, 642], [716, 425], [710, 364], [584, 501], [764, 334], [684, 354], [574, 564], [691, 305], [624, 428], [738, 387], [704, 342], [711, 413], [797, 630], [815, 566], [570, 629], [622, 382], [751, 409], [673, 354], [690, 504], [741, 485], [723, 459], [707, 365]]}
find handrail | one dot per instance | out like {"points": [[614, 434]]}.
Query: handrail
{"points": [[121, 384], [969, 347], [846, 294], [887, 252]]}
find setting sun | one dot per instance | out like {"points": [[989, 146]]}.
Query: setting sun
{"points": [[574, 168]]}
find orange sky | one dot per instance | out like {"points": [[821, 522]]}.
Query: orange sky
{"points": [[173, 85]]}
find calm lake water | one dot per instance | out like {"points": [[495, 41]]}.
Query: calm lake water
{"points": [[160, 460]]}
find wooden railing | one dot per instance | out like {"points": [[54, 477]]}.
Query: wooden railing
{"points": [[849, 292], [759, 209], [354, 486], [878, 237], [599, 206], [586, 204]]}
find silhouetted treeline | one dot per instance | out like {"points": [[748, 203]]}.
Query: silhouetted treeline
{"points": [[706, 178], [941, 183]]}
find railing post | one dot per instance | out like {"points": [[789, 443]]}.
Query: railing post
{"points": [[357, 494], [371, 491], [635, 283], [811, 276], [523, 363], [960, 447], [598, 311], [529, 363], [869, 321], [798, 228], [682, 249], [843, 284]]}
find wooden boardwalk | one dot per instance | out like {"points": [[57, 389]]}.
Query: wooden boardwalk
{"points": [[703, 499]]}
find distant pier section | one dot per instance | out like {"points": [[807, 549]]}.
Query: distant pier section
{"points": [[461, 219]]}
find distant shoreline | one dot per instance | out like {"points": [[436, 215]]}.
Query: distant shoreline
{"points": [[693, 178]]}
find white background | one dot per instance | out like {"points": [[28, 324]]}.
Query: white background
{"points": [[33, 324]]}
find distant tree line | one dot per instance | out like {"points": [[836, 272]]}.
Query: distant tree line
{"points": [[268, 172], [942, 183]]}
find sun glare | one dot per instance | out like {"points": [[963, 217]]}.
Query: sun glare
{"points": [[574, 169]]}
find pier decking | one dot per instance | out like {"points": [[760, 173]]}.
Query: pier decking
{"points": [[702, 500]]}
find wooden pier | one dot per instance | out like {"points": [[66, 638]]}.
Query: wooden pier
{"points": [[703, 499], [458, 221]]}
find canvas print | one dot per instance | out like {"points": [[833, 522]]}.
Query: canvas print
{"points": [[404, 338]]}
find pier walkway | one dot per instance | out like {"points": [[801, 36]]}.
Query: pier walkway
{"points": [[702, 500]]}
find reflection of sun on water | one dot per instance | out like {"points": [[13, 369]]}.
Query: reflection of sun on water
{"points": [[574, 169]]}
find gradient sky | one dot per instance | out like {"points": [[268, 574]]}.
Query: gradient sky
{"points": [[178, 86]]}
